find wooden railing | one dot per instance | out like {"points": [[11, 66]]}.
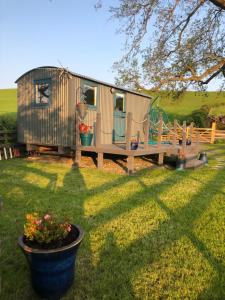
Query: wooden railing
{"points": [[205, 135]]}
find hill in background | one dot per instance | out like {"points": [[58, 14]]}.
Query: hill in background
{"points": [[175, 108], [8, 104], [192, 101]]}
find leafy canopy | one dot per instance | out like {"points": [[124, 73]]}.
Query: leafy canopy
{"points": [[171, 43]]}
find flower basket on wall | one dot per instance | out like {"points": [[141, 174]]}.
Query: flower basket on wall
{"points": [[82, 109]]}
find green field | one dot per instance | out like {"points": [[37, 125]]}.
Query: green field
{"points": [[178, 108], [190, 101], [156, 235], [8, 104]]}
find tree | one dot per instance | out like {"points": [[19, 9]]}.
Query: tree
{"points": [[171, 43]]}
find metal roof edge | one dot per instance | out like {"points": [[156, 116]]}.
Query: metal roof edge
{"points": [[91, 79]]}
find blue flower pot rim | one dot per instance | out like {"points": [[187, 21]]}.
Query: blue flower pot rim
{"points": [[56, 250]]}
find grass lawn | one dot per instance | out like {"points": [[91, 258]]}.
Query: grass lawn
{"points": [[156, 235]]}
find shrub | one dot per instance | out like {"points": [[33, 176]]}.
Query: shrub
{"points": [[200, 117], [7, 122]]}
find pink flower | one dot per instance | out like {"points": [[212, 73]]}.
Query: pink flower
{"points": [[38, 222], [47, 217], [69, 227]]}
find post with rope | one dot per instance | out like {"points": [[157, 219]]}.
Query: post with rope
{"points": [[191, 131], [100, 159], [160, 130], [128, 130], [175, 132], [77, 139], [184, 135], [146, 132]]}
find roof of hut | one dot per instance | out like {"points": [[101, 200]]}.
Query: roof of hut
{"points": [[87, 78]]}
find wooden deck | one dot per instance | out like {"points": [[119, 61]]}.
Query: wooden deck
{"points": [[120, 149], [144, 148]]}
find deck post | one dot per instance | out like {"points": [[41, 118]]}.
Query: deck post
{"points": [[160, 129], [160, 159], [100, 160], [128, 130], [130, 164], [184, 135], [212, 140], [77, 157], [175, 132], [77, 140], [98, 130], [77, 131], [138, 136], [146, 133]]}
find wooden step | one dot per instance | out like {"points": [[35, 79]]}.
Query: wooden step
{"points": [[193, 164], [190, 156]]}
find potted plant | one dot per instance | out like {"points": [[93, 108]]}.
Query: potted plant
{"points": [[50, 245], [86, 134]]}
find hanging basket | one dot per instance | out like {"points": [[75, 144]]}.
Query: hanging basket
{"points": [[82, 109]]}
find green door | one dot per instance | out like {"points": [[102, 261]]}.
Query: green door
{"points": [[119, 117]]}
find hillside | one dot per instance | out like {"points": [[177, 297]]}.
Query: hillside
{"points": [[178, 108], [190, 101], [8, 103]]}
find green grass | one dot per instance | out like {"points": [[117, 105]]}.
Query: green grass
{"points": [[156, 235], [8, 102], [190, 101]]}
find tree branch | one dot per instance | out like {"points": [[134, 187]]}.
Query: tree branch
{"points": [[219, 3], [215, 70]]}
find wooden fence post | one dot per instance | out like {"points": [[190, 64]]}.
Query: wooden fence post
{"points": [[146, 133], [160, 129], [212, 140], [98, 130], [128, 130]]}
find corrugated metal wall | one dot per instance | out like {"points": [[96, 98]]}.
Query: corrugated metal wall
{"points": [[55, 125], [44, 125]]}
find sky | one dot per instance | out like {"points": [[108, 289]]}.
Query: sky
{"points": [[36, 33]]}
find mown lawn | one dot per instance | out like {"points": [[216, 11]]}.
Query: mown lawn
{"points": [[157, 235]]}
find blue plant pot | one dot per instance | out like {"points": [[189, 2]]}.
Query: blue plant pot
{"points": [[52, 271], [133, 145], [86, 139]]}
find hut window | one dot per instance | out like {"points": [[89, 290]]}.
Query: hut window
{"points": [[119, 102], [90, 91], [42, 92]]}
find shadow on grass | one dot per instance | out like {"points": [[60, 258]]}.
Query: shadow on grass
{"points": [[112, 275]]}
